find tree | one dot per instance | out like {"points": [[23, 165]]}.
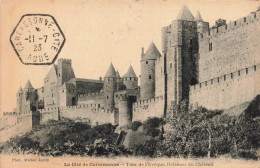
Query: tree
{"points": [[191, 130]]}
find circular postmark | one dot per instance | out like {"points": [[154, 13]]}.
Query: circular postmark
{"points": [[37, 39]]}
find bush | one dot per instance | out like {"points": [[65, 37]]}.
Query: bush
{"points": [[135, 125], [153, 122], [248, 155], [146, 149]]}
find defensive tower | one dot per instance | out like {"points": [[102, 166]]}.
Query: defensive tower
{"points": [[148, 72], [110, 86]]}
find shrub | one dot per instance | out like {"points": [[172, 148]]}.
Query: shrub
{"points": [[146, 149], [153, 122], [135, 125]]}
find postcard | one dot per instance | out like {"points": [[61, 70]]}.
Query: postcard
{"points": [[132, 83]]}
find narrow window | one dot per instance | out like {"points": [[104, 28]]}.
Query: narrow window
{"points": [[200, 85], [255, 67], [235, 23], [170, 65], [238, 73], [107, 97], [244, 19], [206, 83], [211, 81], [146, 62], [191, 42], [224, 77], [226, 27], [218, 79], [150, 76], [63, 91], [231, 75], [59, 74], [246, 70], [210, 46], [254, 15]]}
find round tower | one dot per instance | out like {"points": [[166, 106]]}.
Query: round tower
{"points": [[19, 99], [110, 84], [148, 72], [130, 79]]}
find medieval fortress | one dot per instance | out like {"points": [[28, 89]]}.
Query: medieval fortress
{"points": [[217, 67]]}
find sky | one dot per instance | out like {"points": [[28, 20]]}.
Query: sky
{"points": [[97, 33]]}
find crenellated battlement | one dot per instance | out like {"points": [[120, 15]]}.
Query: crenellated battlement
{"points": [[147, 102], [231, 26], [64, 60], [227, 78]]}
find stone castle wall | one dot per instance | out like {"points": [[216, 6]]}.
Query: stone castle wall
{"points": [[86, 113], [228, 90], [235, 46], [144, 109], [22, 125], [95, 116]]}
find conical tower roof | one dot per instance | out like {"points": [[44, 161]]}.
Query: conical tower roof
{"points": [[185, 14], [198, 17], [152, 52], [110, 72], [117, 74], [130, 73], [28, 85], [20, 90]]}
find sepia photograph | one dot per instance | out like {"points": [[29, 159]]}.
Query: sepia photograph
{"points": [[131, 83]]}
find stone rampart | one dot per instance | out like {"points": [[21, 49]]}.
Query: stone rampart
{"points": [[95, 116], [230, 47], [227, 90], [144, 109], [21, 126]]}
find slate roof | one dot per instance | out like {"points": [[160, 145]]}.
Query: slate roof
{"points": [[28, 85], [20, 90], [198, 17], [85, 80], [152, 52], [110, 72], [130, 73], [185, 14]]}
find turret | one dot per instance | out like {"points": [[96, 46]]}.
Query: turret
{"points": [[28, 87], [19, 98], [110, 83], [130, 79], [201, 25], [148, 72]]}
